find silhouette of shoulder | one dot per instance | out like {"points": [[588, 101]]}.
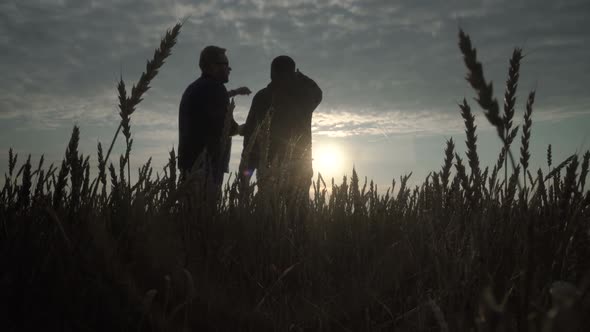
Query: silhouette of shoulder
{"points": [[261, 101], [309, 89], [263, 94], [204, 86], [204, 95]]}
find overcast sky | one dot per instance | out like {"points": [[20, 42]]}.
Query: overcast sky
{"points": [[391, 73]]}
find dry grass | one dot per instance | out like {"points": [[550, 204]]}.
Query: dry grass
{"points": [[463, 251]]}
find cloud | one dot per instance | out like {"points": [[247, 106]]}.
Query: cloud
{"points": [[346, 123], [45, 111], [339, 123], [63, 58]]}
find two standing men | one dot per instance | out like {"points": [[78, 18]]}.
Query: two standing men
{"points": [[205, 110]]}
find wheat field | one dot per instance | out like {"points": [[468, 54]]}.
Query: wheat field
{"points": [[473, 248]]}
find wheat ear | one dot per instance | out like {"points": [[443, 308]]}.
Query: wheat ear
{"points": [[511, 86], [484, 91], [127, 104], [471, 142], [559, 167], [476, 79], [525, 154], [584, 171], [446, 169]]}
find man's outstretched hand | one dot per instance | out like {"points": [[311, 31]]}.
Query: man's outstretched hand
{"points": [[241, 91]]}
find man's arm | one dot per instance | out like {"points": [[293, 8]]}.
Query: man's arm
{"points": [[255, 116], [243, 91]]}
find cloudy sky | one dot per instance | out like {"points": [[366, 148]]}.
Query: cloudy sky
{"points": [[391, 73]]}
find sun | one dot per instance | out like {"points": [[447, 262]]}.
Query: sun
{"points": [[328, 160]]}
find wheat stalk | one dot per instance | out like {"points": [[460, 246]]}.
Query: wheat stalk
{"points": [[122, 163], [24, 192], [102, 178], [512, 184], [39, 187], [86, 182], [11, 161], [497, 167], [172, 169], [541, 186], [492, 182], [549, 157], [532, 181], [471, 143], [60, 185], [484, 90], [127, 105], [49, 175], [526, 134], [462, 175], [39, 166], [73, 163], [483, 179], [569, 182], [559, 167], [114, 180], [448, 163], [511, 86], [584, 172]]}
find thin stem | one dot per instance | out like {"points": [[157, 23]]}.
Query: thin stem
{"points": [[107, 156], [128, 157], [506, 167]]}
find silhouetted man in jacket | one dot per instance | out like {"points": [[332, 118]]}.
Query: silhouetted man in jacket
{"points": [[289, 100], [204, 110]]}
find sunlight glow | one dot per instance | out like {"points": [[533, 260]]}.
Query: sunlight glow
{"points": [[328, 160]]}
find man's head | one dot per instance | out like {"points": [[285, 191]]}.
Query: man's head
{"points": [[282, 69], [214, 63]]}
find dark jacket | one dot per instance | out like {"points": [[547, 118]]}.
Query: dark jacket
{"points": [[292, 106], [201, 117]]}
